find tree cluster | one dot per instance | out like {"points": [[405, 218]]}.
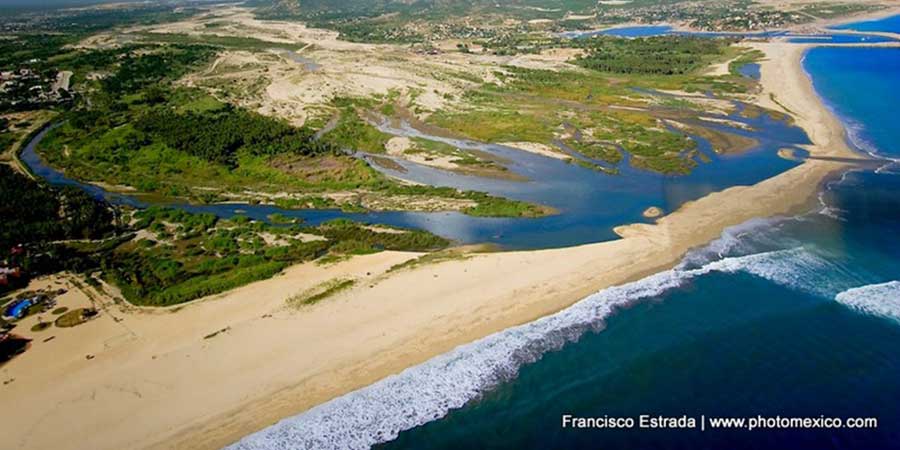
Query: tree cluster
{"points": [[660, 55], [221, 136]]}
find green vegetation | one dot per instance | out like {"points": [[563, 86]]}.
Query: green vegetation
{"points": [[186, 256], [35, 212], [498, 207], [652, 146], [7, 137], [603, 151], [23, 48], [450, 254], [357, 239], [40, 326], [217, 332], [75, 317], [352, 132], [50, 18], [400, 21], [278, 218], [321, 292], [659, 55], [139, 68], [230, 42], [168, 256], [535, 105], [746, 57], [497, 125], [828, 10], [140, 130], [221, 136]]}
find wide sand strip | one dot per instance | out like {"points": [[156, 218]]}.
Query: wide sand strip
{"points": [[157, 380]]}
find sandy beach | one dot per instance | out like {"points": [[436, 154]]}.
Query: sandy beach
{"points": [[205, 374]]}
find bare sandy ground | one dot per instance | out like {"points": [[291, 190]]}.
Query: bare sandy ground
{"points": [[537, 148], [397, 146], [205, 374], [720, 69], [271, 83]]}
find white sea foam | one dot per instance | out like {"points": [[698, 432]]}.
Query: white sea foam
{"points": [[855, 133], [737, 240], [427, 392], [877, 299], [889, 169], [830, 210]]}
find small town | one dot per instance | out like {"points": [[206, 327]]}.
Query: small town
{"points": [[26, 88]]}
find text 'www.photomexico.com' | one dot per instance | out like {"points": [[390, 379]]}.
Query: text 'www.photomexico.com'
{"points": [[647, 421]]}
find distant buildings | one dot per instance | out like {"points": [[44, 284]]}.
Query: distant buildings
{"points": [[25, 88]]}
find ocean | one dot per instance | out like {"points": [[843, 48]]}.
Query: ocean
{"points": [[792, 317]]}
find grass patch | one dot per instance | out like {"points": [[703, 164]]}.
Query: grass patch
{"points": [[75, 317], [431, 258], [38, 327], [658, 55], [497, 125], [352, 132], [775, 100], [204, 285], [281, 219], [321, 292], [59, 310], [229, 42]]}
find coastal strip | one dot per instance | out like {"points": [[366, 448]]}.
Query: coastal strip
{"points": [[158, 382], [461, 301]]}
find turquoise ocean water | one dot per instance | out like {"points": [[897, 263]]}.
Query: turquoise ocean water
{"points": [[789, 316]]}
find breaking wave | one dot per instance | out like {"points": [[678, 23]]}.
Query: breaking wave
{"points": [[427, 392], [877, 299], [750, 237], [856, 132]]}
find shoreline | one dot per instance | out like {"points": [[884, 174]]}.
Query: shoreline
{"points": [[273, 363], [796, 88]]}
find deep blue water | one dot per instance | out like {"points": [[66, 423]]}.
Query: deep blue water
{"points": [[766, 338], [835, 37], [792, 317], [890, 24], [638, 31], [871, 124]]}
